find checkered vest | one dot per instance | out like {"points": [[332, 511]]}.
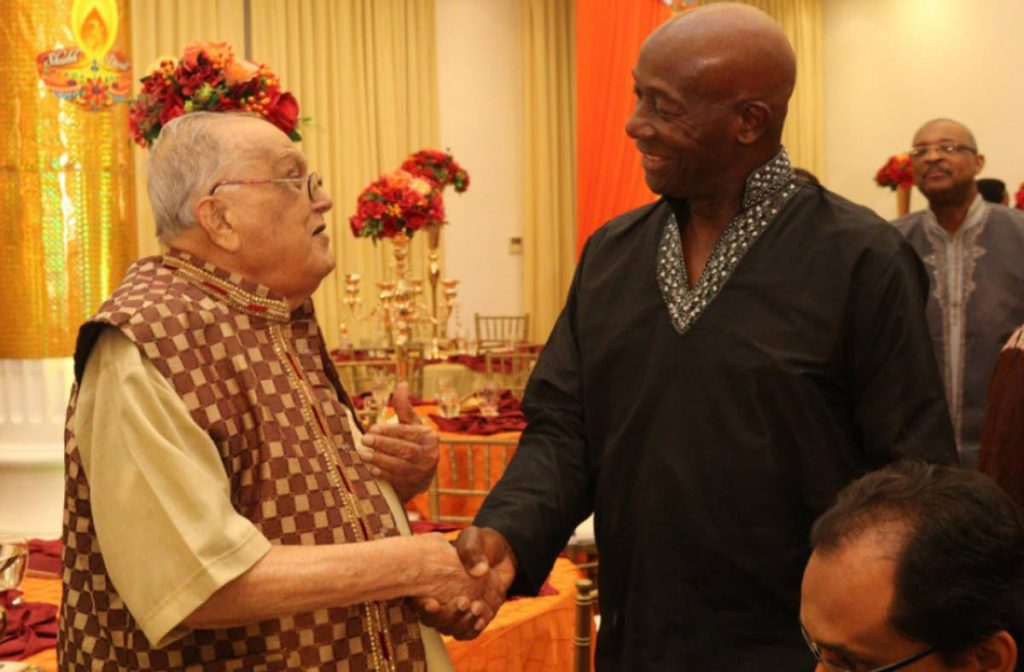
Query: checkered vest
{"points": [[258, 380]]}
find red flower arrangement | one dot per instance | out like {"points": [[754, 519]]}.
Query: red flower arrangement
{"points": [[209, 77], [1018, 198], [408, 199], [895, 173], [439, 167], [398, 202]]}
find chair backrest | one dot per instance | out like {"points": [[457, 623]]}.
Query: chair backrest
{"points": [[364, 368], [586, 594], [510, 369], [495, 331], [466, 473]]}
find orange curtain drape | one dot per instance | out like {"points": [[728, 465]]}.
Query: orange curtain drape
{"points": [[609, 179]]}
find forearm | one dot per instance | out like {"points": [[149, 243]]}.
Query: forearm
{"points": [[293, 579]]}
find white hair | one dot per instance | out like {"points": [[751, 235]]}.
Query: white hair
{"points": [[187, 155]]}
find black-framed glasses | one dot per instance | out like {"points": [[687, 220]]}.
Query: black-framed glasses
{"points": [[835, 667], [314, 183], [941, 148]]}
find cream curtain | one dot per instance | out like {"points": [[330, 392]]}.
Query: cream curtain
{"points": [[802, 22], [364, 71], [549, 131]]}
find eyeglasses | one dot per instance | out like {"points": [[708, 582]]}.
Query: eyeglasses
{"points": [[314, 183], [836, 667], [942, 149]]}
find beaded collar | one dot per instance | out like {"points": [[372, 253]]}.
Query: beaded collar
{"points": [[767, 190], [254, 299]]}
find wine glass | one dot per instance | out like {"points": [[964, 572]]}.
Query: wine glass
{"points": [[447, 398], [13, 563], [489, 398]]}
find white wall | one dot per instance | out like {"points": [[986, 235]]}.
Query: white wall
{"points": [[891, 65], [479, 73]]}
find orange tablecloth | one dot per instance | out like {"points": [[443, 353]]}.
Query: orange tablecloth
{"points": [[457, 457], [531, 634]]}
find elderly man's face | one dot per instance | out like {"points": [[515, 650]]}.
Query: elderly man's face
{"points": [[844, 610], [282, 229], [685, 139], [946, 178]]}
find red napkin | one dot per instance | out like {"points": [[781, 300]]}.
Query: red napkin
{"points": [[45, 556], [481, 425], [31, 627]]}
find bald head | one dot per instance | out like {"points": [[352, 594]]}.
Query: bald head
{"points": [[712, 89], [734, 53]]}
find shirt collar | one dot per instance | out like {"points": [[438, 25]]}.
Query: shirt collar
{"points": [[245, 295], [976, 214]]}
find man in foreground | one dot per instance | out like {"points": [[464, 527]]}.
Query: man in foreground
{"points": [[973, 250], [218, 514], [727, 360], [917, 567]]}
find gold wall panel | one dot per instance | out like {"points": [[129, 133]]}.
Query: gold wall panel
{"points": [[67, 190]]}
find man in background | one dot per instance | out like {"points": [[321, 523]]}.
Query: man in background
{"points": [[918, 567], [728, 359], [993, 190], [973, 250]]}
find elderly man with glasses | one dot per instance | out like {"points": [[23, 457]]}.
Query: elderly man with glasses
{"points": [[918, 568], [218, 514], [973, 251]]}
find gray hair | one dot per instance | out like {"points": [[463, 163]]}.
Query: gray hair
{"points": [[184, 160]]}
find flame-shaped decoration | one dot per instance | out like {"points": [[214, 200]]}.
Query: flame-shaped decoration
{"points": [[95, 24]]}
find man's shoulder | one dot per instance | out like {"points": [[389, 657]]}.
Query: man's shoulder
{"points": [[909, 222], [857, 225], [627, 223]]}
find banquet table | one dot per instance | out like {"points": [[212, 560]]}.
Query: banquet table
{"points": [[531, 634]]}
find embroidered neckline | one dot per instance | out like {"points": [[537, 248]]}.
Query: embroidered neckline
{"points": [[249, 297], [767, 190]]}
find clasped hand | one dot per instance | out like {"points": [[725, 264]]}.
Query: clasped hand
{"points": [[486, 568]]}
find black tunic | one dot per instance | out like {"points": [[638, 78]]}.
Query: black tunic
{"points": [[707, 454]]}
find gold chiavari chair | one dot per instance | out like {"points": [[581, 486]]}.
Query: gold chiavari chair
{"points": [[501, 331], [364, 368], [586, 597], [472, 467], [510, 369]]}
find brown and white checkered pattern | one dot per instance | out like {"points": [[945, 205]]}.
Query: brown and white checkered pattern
{"points": [[258, 379]]}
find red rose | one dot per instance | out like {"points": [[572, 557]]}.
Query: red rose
{"points": [[171, 111], [284, 112]]}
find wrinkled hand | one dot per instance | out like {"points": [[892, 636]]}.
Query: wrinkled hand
{"points": [[404, 455], [469, 601], [485, 554]]}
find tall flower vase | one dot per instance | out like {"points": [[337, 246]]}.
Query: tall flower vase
{"points": [[902, 200], [434, 275], [401, 304]]}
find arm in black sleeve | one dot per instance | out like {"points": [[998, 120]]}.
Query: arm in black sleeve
{"points": [[546, 491], [900, 403]]}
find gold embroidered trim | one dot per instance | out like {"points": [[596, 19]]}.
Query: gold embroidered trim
{"points": [[374, 622], [247, 302]]}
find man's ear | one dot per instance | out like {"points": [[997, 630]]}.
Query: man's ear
{"points": [[214, 218], [755, 118], [979, 163], [997, 653]]}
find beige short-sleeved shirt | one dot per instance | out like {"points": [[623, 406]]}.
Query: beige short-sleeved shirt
{"points": [[157, 482]]}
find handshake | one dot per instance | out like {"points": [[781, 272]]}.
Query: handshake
{"points": [[463, 583]]}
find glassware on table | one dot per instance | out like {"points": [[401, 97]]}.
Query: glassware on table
{"points": [[380, 389], [488, 395], [448, 401], [13, 563]]}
